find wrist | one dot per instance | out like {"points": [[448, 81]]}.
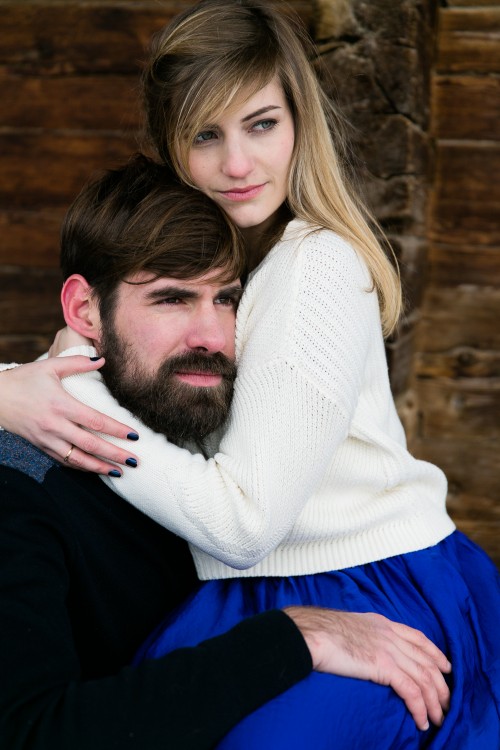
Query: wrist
{"points": [[305, 620]]}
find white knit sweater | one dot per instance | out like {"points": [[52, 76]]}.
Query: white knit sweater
{"points": [[312, 473]]}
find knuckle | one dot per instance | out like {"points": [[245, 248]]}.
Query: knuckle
{"points": [[58, 406], [76, 461], [45, 422], [377, 618], [89, 444], [425, 678], [420, 656], [421, 641], [411, 689], [443, 690], [96, 422]]}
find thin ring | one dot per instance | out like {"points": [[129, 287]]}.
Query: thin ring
{"points": [[68, 454]]}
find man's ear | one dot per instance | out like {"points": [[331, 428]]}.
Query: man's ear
{"points": [[80, 308]]}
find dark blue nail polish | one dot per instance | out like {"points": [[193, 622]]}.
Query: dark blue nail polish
{"points": [[132, 436], [131, 462], [114, 473], [94, 359]]}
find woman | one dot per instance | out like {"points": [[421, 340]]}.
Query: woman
{"points": [[312, 497]]}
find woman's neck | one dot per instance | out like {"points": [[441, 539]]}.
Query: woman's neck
{"points": [[261, 239], [255, 247]]}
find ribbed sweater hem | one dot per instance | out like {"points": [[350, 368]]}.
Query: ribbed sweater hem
{"points": [[370, 545]]}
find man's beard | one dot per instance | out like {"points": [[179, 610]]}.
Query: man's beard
{"points": [[178, 410]]}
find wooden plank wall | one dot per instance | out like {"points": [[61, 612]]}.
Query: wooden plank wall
{"points": [[458, 366]]}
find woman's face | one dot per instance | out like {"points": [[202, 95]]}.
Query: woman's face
{"points": [[242, 160]]}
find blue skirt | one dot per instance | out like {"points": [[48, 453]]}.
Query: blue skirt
{"points": [[451, 592]]}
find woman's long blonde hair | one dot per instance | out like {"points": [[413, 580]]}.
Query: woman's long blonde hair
{"points": [[198, 66]]}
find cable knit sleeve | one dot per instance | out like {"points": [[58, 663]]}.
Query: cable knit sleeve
{"points": [[304, 328]]}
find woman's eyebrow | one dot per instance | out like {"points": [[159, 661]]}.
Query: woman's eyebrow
{"points": [[261, 111]]}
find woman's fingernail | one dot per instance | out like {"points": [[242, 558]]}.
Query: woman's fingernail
{"points": [[114, 473], [131, 462], [132, 436], [94, 359]]}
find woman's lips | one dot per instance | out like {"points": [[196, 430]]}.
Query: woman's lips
{"points": [[243, 194]]}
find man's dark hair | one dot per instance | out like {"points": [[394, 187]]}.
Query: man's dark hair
{"points": [[141, 218]]}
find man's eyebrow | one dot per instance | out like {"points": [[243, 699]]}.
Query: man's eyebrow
{"points": [[171, 291], [261, 111], [235, 290]]}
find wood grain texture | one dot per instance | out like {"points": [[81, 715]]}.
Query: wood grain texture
{"points": [[452, 265], [24, 348], [460, 316], [49, 169], [61, 103], [459, 362], [472, 467], [465, 200], [472, 3], [33, 238], [466, 107], [469, 40], [469, 405], [79, 37], [36, 298]]}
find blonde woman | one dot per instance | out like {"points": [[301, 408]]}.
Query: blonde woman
{"points": [[312, 496]]}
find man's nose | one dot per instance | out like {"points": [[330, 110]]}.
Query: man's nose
{"points": [[207, 333]]}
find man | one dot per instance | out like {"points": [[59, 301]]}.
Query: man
{"points": [[150, 269]]}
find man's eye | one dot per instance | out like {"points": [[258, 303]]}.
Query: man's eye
{"points": [[227, 301], [170, 301]]}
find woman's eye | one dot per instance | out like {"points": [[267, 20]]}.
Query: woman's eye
{"points": [[204, 136], [265, 125]]}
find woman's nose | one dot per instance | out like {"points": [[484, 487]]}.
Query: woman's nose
{"points": [[237, 161]]}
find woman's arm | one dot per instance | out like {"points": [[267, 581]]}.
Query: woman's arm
{"points": [[305, 346], [35, 405]]}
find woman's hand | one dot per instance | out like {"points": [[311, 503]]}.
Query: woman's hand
{"points": [[35, 405], [66, 338]]}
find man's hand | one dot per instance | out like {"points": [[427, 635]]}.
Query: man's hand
{"points": [[371, 647]]}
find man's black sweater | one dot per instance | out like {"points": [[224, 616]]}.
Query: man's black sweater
{"points": [[84, 578]]}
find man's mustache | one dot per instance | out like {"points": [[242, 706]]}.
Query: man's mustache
{"points": [[211, 364]]}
